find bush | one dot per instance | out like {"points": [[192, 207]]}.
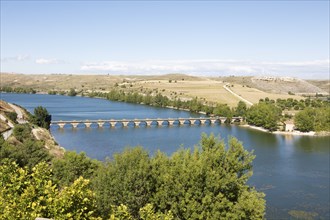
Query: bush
{"points": [[22, 132], [12, 116], [72, 92]]}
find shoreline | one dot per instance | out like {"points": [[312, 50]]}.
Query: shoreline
{"points": [[295, 133]]}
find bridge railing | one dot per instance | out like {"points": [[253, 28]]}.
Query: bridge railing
{"points": [[148, 121]]}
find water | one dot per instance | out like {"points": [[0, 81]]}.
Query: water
{"points": [[293, 171]]}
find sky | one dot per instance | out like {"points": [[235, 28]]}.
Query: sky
{"points": [[207, 38]]}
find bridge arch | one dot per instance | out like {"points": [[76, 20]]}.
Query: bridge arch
{"points": [[147, 122]]}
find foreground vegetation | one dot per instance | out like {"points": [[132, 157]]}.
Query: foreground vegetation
{"points": [[209, 182]]}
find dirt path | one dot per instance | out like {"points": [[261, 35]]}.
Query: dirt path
{"points": [[19, 113], [19, 119], [241, 98]]}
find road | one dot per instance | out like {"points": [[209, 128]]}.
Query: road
{"points": [[238, 96], [20, 120]]}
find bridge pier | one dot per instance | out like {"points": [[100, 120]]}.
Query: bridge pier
{"points": [[61, 125], [112, 124], [181, 122], [88, 124], [213, 121], [149, 122]]}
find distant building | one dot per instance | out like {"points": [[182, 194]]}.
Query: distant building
{"points": [[288, 126]]}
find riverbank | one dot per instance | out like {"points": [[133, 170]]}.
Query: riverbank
{"points": [[295, 132], [311, 133], [38, 133], [173, 85]]}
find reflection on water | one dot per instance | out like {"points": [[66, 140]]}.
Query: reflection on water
{"points": [[293, 171]]}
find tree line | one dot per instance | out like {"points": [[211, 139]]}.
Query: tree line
{"points": [[311, 114], [207, 182], [18, 90]]}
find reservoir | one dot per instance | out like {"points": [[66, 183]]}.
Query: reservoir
{"points": [[293, 171]]}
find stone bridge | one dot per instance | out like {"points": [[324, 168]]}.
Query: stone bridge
{"points": [[146, 122]]}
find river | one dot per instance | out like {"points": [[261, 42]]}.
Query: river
{"points": [[293, 171]]}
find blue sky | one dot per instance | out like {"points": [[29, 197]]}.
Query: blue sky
{"points": [[286, 38]]}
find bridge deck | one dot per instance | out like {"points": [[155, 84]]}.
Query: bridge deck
{"points": [[140, 120]]}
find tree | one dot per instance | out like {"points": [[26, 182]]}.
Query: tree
{"points": [[313, 119], [41, 117], [264, 115], [208, 183], [223, 110], [72, 92], [25, 195], [69, 168], [22, 132], [304, 120], [195, 105], [12, 116], [126, 180], [241, 109], [27, 151]]}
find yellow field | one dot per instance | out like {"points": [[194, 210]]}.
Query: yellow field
{"points": [[174, 86], [208, 90], [254, 95]]}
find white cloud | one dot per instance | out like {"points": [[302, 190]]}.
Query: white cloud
{"points": [[213, 67], [48, 61], [21, 57]]}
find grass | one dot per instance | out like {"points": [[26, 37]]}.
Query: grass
{"points": [[180, 86], [254, 95]]}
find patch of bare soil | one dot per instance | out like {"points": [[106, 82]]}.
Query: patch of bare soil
{"points": [[322, 84], [285, 85], [50, 144]]}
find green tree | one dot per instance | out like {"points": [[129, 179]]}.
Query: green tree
{"points": [[22, 132], [195, 105], [25, 195], [241, 109], [69, 168], [223, 110], [126, 180], [12, 116], [305, 120], [322, 119], [208, 183], [27, 152], [41, 117], [72, 92], [313, 119], [265, 115]]}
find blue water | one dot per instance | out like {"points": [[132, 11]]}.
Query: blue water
{"points": [[293, 171]]}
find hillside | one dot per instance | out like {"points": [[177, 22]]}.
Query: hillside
{"points": [[282, 85], [8, 124], [185, 87]]}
